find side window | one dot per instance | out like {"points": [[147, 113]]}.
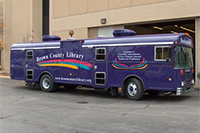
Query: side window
{"points": [[162, 53], [29, 54], [100, 54]]}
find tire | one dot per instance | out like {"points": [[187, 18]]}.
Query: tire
{"points": [[47, 85], [134, 89]]}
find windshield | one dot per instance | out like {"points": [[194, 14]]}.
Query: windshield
{"points": [[183, 57]]}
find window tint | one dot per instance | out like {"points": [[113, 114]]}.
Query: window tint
{"points": [[162, 53], [29, 55], [158, 53], [100, 54], [183, 57]]}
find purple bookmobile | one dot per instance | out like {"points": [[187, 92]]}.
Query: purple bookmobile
{"points": [[127, 63]]}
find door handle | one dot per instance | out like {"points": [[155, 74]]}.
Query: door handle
{"points": [[95, 67]]}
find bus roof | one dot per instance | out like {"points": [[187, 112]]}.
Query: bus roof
{"points": [[154, 39]]}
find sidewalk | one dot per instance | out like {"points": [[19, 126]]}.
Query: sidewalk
{"points": [[4, 74]]}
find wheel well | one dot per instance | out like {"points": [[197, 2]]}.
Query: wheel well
{"points": [[132, 76], [44, 74]]}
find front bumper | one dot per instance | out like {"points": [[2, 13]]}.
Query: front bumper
{"points": [[184, 90]]}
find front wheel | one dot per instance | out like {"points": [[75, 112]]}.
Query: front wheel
{"points": [[46, 83], [134, 89]]}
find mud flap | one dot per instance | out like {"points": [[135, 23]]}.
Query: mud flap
{"points": [[114, 91]]}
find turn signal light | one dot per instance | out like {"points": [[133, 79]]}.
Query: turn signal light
{"points": [[192, 70], [181, 72], [187, 34]]}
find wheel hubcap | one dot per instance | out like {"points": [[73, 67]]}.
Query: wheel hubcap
{"points": [[132, 89], [46, 83]]}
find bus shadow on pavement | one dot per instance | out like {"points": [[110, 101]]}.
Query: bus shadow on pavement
{"points": [[104, 94], [162, 98], [107, 95]]}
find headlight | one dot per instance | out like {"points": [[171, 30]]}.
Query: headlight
{"points": [[183, 83]]}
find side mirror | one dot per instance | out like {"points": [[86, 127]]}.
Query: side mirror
{"points": [[168, 60]]}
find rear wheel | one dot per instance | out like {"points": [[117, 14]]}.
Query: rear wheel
{"points": [[134, 89], [47, 85]]}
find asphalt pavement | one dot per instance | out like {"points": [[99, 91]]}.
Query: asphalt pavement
{"points": [[29, 110]]}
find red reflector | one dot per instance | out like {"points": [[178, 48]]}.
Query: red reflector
{"points": [[192, 70], [181, 72]]}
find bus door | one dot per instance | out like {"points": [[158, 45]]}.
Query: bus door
{"points": [[100, 67], [29, 64]]}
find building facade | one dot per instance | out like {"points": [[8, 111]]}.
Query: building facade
{"points": [[28, 20], [22, 23]]}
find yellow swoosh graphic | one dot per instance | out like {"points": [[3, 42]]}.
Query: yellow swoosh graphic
{"points": [[61, 65], [118, 67], [140, 68]]}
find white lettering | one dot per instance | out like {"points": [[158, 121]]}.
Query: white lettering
{"points": [[74, 79], [72, 55], [59, 55], [38, 59], [189, 42]]}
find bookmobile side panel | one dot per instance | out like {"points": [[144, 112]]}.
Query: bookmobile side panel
{"points": [[67, 65], [44, 63], [139, 61], [17, 64], [126, 61], [87, 73], [159, 73]]}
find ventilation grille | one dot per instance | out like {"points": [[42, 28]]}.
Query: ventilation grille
{"points": [[29, 74], [100, 78], [188, 75]]}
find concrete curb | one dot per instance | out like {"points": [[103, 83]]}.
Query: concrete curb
{"points": [[5, 77], [4, 74]]}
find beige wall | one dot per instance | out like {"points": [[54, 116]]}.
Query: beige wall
{"points": [[197, 58], [81, 33], [37, 20], [23, 23], [131, 11]]}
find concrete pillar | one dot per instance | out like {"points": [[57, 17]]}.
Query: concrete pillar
{"points": [[23, 22], [197, 50], [37, 20]]}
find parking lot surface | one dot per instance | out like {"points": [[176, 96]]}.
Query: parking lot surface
{"points": [[26, 109]]}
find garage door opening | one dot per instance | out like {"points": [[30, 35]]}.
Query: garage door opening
{"points": [[165, 27]]}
